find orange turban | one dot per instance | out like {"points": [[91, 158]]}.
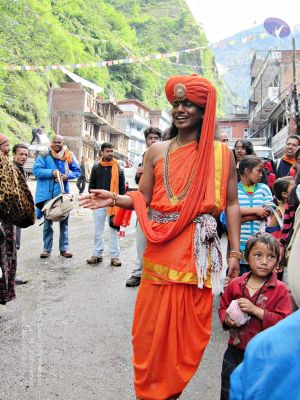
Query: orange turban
{"points": [[191, 87]]}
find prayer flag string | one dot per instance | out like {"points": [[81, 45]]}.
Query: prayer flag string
{"points": [[99, 64]]}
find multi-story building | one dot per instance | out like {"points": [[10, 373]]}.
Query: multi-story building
{"points": [[271, 101], [236, 125], [136, 117], [134, 120], [85, 121]]}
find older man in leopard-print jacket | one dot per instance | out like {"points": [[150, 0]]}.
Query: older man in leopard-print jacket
{"points": [[8, 249]]}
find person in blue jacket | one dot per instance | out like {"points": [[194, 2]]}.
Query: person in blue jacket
{"points": [[46, 168], [270, 369]]}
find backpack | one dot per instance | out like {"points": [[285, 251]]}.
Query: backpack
{"points": [[60, 206]]}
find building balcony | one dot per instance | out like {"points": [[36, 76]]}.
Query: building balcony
{"points": [[266, 106], [261, 85], [136, 117], [260, 69], [135, 134]]}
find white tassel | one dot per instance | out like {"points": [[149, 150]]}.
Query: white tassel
{"points": [[207, 248]]}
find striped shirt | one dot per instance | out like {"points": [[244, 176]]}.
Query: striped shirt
{"points": [[289, 216], [261, 195], [288, 222]]}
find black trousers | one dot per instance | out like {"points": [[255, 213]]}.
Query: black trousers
{"points": [[232, 358], [81, 184]]}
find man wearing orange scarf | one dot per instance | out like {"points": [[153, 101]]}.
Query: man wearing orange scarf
{"points": [[285, 163], [106, 175], [47, 167], [185, 183]]}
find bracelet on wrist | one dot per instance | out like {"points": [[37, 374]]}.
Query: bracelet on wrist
{"points": [[114, 199], [235, 254]]}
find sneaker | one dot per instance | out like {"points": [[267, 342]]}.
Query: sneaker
{"points": [[133, 281], [20, 281], [115, 262], [44, 254], [66, 254], [94, 260]]}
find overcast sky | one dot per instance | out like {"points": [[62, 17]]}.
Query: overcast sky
{"points": [[223, 18]]}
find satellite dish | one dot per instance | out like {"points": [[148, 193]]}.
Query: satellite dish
{"points": [[277, 27]]}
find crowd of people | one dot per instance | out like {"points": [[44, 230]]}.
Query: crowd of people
{"points": [[192, 189]]}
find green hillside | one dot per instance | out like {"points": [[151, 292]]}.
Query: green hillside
{"points": [[47, 32]]}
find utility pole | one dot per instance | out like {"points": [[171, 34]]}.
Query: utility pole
{"points": [[294, 92]]}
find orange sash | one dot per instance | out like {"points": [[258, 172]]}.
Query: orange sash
{"points": [[63, 155], [114, 182], [288, 160], [173, 260], [202, 160]]}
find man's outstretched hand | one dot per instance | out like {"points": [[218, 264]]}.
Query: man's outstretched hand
{"points": [[97, 198]]}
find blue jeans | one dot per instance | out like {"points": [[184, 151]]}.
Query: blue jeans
{"points": [[232, 358], [141, 242], [63, 235], [100, 215]]}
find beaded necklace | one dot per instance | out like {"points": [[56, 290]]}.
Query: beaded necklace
{"points": [[259, 289], [173, 198]]}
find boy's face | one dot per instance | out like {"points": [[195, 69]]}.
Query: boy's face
{"points": [[262, 260], [152, 138]]}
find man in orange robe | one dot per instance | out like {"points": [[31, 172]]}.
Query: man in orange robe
{"points": [[185, 183]]}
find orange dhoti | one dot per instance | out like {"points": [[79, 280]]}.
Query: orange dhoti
{"points": [[171, 329]]}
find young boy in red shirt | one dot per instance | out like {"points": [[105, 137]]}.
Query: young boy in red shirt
{"points": [[252, 302]]}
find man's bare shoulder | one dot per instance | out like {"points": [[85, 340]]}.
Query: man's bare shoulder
{"points": [[157, 151]]}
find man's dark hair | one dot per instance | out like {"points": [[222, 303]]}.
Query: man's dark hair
{"points": [[249, 162], [19, 146], [106, 145], [293, 137], [154, 131]]}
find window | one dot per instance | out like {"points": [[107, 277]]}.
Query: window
{"points": [[133, 144], [227, 130], [246, 132], [140, 147]]}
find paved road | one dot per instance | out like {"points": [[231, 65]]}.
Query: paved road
{"points": [[68, 333]]}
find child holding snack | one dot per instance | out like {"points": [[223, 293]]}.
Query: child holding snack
{"points": [[252, 302]]}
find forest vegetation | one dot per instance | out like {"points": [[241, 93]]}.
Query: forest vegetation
{"points": [[47, 32]]}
